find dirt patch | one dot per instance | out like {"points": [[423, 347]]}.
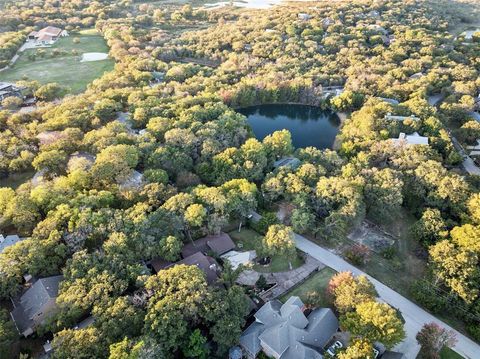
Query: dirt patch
{"points": [[372, 236]]}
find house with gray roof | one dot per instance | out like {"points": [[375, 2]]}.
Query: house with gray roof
{"points": [[283, 331], [36, 305], [8, 241]]}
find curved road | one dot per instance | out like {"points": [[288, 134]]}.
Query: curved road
{"points": [[415, 317]]}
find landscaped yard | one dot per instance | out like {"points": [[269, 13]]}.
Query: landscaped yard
{"points": [[316, 283], [249, 240], [64, 68]]}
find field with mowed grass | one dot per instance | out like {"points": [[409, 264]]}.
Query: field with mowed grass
{"points": [[318, 283], [61, 62]]}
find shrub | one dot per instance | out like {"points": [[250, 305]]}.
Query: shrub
{"points": [[358, 254], [268, 219]]}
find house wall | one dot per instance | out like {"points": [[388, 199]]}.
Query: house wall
{"points": [[269, 351]]}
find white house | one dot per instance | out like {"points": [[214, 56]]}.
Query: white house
{"points": [[47, 36], [408, 140]]}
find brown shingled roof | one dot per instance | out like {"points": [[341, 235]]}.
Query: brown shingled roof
{"points": [[218, 244]]}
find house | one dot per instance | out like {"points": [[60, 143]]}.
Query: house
{"points": [[417, 75], [283, 331], [304, 17], [413, 139], [291, 162], [218, 244], [8, 89], [391, 117], [46, 36], [206, 264], [391, 101], [8, 241], [36, 305], [326, 22], [134, 181]]}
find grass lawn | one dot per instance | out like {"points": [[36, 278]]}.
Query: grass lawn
{"points": [[66, 68], [249, 240], [448, 353], [317, 282]]}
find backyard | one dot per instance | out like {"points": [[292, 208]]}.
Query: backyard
{"points": [[61, 62], [248, 240], [316, 283]]}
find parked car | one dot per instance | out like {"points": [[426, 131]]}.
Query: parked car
{"points": [[332, 349]]}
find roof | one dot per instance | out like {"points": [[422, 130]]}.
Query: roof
{"points": [[392, 355], [292, 162], [239, 258], [218, 244], [33, 300], [235, 353], [389, 116], [287, 332], [44, 37], [50, 31], [158, 264], [207, 265], [413, 139], [8, 241]]}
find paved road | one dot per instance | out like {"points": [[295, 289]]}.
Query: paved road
{"points": [[415, 317]]}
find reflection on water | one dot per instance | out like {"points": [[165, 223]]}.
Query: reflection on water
{"points": [[309, 126]]}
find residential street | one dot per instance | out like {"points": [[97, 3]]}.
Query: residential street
{"points": [[414, 316]]}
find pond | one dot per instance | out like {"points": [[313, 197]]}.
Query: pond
{"points": [[309, 126]]}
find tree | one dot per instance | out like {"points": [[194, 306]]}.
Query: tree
{"points": [[432, 339], [50, 92], [177, 301], [383, 193], [54, 162], [430, 228], [302, 220], [226, 313], [358, 349], [81, 343], [12, 102], [196, 346], [278, 144], [115, 163], [8, 334], [349, 291], [279, 240], [374, 321], [457, 267]]}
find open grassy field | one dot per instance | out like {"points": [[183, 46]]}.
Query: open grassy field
{"points": [[248, 240], [316, 283], [65, 67]]}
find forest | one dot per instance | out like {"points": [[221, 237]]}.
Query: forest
{"points": [[181, 73]]}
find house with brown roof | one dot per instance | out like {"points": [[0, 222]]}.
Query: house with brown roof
{"points": [[218, 244], [206, 264], [46, 36]]}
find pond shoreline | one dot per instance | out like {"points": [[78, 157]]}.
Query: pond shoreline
{"points": [[309, 125]]}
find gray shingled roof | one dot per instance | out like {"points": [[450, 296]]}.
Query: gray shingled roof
{"points": [[33, 300], [8, 241], [286, 330]]}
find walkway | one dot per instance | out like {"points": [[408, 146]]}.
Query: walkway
{"points": [[415, 317], [284, 280]]}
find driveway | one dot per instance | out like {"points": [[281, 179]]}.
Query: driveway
{"points": [[415, 317]]}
